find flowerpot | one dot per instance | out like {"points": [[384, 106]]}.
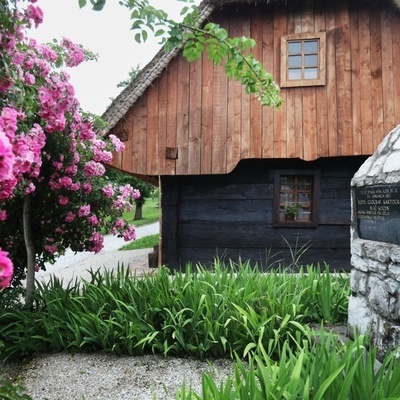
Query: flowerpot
{"points": [[289, 217]]}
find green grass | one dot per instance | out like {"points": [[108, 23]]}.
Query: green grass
{"points": [[151, 213], [142, 243]]}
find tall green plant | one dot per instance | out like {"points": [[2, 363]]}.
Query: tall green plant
{"points": [[200, 312], [319, 367]]}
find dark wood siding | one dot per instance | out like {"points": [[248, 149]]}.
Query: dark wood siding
{"points": [[231, 216], [214, 124]]}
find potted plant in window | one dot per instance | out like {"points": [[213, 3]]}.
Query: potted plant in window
{"points": [[291, 211]]}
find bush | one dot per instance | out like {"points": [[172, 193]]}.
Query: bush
{"points": [[200, 313]]}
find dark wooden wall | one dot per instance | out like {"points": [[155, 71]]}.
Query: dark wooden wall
{"points": [[231, 215], [214, 124]]}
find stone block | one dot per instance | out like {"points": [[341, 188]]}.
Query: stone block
{"points": [[387, 338], [391, 286], [359, 263], [358, 282], [394, 308], [392, 163], [359, 315], [377, 251], [357, 247], [378, 297], [394, 271], [395, 253]]}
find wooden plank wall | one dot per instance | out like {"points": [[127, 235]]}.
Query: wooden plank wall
{"points": [[214, 124], [231, 215]]}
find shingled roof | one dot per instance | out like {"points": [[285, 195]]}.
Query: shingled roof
{"points": [[120, 106]]}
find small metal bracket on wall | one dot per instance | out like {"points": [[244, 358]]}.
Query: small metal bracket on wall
{"points": [[122, 135], [171, 153]]}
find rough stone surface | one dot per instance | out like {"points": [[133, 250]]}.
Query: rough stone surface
{"points": [[375, 279], [359, 314]]}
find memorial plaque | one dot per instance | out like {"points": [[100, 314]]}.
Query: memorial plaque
{"points": [[378, 212]]}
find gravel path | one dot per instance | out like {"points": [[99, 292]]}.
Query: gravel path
{"points": [[77, 265], [102, 376]]}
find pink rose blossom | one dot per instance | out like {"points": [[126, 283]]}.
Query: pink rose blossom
{"points": [[129, 233], [75, 53], [7, 158], [3, 215], [119, 146], [87, 188], [119, 223], [70, 217], [8, 122], [35, 14], [6, 269], [84, 211], [71, 170], [108, 191], [93, 220], [51, 248], [65, 181], [93, 168], [29, 79], [30, 188], [97, 240], [75, 187], [7, 187], [63, 200], [136, 194]]}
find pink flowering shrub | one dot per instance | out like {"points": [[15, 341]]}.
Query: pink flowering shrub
{"points": [[6, 270], [50, 152]]}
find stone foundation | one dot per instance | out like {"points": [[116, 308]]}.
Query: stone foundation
{"points": [[374, 305]]}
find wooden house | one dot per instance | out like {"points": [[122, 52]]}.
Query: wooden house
{"points": [[228, 167]]}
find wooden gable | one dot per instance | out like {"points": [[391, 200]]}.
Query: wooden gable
{"points": [[192, 120]]}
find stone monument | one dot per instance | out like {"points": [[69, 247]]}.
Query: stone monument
{"points": [[374, 304]]}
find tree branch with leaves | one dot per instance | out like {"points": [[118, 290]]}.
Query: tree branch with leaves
{"points": [[194, 39]]}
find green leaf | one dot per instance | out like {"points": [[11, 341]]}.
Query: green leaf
{"points": [[99, 5], [137, 24], [184, 10], [82, 3], [138, 38], [325, 385]]}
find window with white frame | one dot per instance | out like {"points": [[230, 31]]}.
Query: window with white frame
{"points": [[303, 59]]}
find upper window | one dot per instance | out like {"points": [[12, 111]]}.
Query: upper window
{"points": [[296, 198], [303, 59]]}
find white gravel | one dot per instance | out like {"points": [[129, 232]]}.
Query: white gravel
{"points": [[102, 376]]}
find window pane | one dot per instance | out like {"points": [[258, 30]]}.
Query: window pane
{"points": [[304, 183], [311, 61], [295, 61], [294, 74], [311, 46], [294, 47], [311, 73], [303, 215]]}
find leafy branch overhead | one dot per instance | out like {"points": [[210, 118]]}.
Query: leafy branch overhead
{"points": [[233, 53]]}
